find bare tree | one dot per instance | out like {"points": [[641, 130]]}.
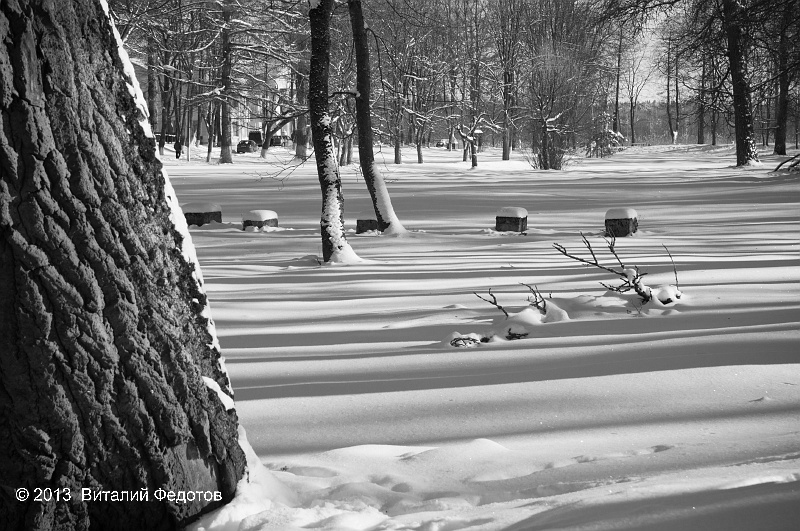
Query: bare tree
{"points": [[334, 241], [507, 19], [735, 20], [382, 203], [639, 69]]}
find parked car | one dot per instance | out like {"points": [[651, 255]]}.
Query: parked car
{"points": [[246, 146]]}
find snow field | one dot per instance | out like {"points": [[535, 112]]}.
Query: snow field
{"points": [[607, 415]]}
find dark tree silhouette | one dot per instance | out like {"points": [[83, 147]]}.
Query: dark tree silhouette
{"points": [[381, 202], [107, 353]]}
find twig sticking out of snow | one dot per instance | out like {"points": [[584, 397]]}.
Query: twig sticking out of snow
{"points": [[674, 269], [537, 301], [632, 277], [493, 302]]}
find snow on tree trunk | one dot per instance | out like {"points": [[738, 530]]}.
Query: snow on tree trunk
{"points": [[334, 243], [111, 377], [733, 19]]}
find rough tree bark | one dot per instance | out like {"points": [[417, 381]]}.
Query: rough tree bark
{"points": [[107, 355], [381, 202], [334, 242]]}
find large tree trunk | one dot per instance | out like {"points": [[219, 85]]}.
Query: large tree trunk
{"points": [[110, 365], [334, 243], [733, 19]]}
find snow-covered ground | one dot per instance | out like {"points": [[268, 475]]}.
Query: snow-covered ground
{"points": [[610, 415]]}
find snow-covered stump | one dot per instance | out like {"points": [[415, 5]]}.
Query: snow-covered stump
{"points": [[511, 219], [201, 213], [621, 222], [259, 219], [366, 225]]}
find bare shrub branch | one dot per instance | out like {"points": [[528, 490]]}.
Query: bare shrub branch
{"points": [[536, 300], [630, 281], [493, 302]]}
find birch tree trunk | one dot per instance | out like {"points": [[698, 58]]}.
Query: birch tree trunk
{"points": [[107, 353]]}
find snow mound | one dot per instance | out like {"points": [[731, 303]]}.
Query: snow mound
{"points": [[512, 212], [200, 207], [621, 213], [523, 324], [259, 215], [265, 228]]}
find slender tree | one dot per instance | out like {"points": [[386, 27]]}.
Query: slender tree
{"points": [[110, 378], [382, 203], [226, 152], [507, 17], [788, 34], [334, 242]]}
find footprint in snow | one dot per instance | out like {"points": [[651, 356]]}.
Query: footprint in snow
{"points": [[763, 399]]}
